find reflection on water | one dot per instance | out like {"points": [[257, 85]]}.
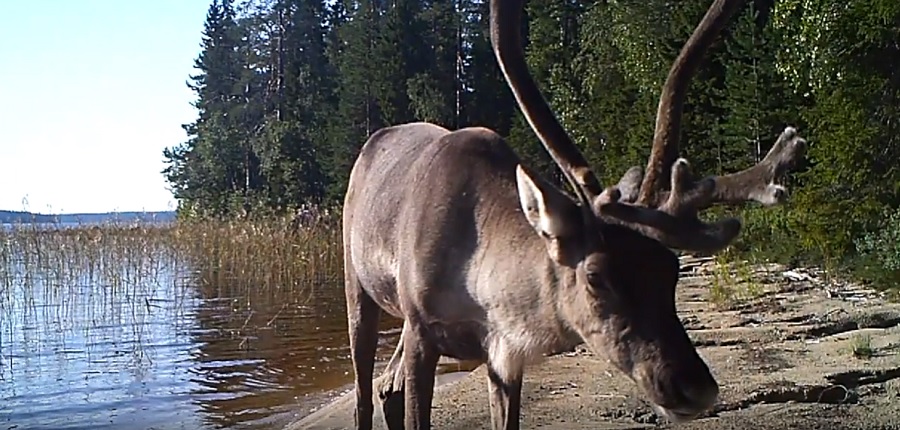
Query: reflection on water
{"points": [[152, 345], [275, 355]]}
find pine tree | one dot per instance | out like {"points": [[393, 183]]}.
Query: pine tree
{"points": [[208, 172], [753, 95], [484, 99], [298, 90], [608, 112], [433, 79], [840, 60], [357, 113]]}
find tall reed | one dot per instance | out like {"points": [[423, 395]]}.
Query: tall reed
{"points": [[264, 253], [63, 282]]}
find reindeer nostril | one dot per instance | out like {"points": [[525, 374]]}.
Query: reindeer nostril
{"points": [[689, 393], [700, 395]]}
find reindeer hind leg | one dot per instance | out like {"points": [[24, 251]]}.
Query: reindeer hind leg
{"points": [[363, 315]]}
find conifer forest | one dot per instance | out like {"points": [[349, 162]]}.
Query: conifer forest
{"points": [[287, 91]]}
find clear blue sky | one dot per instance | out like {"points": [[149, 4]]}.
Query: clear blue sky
{"points": [[91, 91]]}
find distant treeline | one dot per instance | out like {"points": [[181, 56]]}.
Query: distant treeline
{"points": [[13, 217], [288, 90]]}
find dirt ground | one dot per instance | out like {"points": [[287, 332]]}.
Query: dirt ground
{"points": [[790, 349]]}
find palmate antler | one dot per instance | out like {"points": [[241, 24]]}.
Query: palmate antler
{"points": [[644, 202]]}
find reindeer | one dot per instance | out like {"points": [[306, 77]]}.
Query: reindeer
{"points": [[486, 260]]}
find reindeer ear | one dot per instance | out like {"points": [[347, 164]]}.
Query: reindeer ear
{"points": [[547, 209]]}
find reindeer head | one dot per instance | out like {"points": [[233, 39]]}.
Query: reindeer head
{"points": [[612, 246], [617, 291]]}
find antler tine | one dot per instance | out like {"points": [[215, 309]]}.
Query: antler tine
{"points": [[505, 18], [637, 201], [675, 221], [672, 216], [757, 183], [671, 102]]}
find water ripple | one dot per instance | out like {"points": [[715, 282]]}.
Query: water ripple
{"points": [[172, 352]]}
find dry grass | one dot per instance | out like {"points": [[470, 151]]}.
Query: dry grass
{"points": [[110, 255], [241, 253], [85, 277], [266, 253]]}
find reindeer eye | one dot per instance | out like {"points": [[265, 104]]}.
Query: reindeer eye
{"points": [[593, 272], [593, 278]]}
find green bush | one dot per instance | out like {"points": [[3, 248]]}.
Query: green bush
{"points": [[879, 249]]}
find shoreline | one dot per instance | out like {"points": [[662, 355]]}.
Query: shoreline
{"points": [[789, 357]]}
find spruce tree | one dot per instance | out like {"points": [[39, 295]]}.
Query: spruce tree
{"points": [[207, 172]]}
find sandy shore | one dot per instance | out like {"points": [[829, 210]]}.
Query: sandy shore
{"points": [[789, 351]]}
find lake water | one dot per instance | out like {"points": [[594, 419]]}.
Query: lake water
{"points": [[154, 345]]}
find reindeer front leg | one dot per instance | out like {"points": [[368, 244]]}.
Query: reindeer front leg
{"points": [[419, 366], [504, 389]]}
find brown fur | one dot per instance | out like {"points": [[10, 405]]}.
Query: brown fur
{"points": [[435, 233], [485, 260]]}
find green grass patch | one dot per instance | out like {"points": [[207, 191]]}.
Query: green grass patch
{"points": [[732, 280], [861, 346]]}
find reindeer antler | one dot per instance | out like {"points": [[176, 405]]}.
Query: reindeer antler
{"points": [[506, 39], [670, 215], [642, 202], [674, 92]]}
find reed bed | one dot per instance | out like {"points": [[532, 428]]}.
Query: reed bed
{"points": [[76, 286], [265, 253], [62, 282], [109, 255]]}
